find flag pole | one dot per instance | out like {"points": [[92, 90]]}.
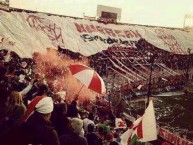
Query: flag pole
{"points": [[152, 58], [188, 66]]}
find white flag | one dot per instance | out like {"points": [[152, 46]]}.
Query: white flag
{"points": [[143, 129]]}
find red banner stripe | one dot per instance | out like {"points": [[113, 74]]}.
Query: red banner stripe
{"points": [[30, 108]]}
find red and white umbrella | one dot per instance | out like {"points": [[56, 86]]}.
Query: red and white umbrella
{"points": [[88, 77]]}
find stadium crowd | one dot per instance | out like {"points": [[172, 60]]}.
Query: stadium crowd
{"points": [[32, 114]]}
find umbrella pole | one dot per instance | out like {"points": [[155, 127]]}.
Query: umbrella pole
{"points": [[80, 89]]}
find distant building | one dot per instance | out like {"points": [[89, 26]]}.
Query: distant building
{"points": [[108, 14]]}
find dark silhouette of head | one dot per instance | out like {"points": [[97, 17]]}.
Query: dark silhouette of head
{"points": [[43, 89], [91, 128], [91, 116]]}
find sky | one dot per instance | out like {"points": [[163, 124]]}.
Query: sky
{"points": [[166, 13]]}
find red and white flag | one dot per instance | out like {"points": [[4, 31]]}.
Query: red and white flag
{"points": [[119, 123], [143, 129]]}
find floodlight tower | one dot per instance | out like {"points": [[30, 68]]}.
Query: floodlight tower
{"points": [[188, 21]]}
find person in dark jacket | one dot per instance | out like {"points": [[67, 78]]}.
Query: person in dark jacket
{"points": [[40, 131], [72, 108], [91, 137], [59, 118], [37, 128], [73, 137]]}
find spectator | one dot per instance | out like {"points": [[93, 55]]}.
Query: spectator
{"points": [[73, 108], [88, 121], [16, 108], [42, 91], [29, 95], [37, 128], [59, 118], [3, 111], [91, 137], [13, 112], [100, 133], [73, 137]]}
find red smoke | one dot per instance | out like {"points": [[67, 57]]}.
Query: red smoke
{"points": [[53, 68]]}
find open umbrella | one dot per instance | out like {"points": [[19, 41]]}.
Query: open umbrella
{"points": [[88, 77]]}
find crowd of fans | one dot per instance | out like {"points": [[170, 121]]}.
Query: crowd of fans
{"points": [[158, 85], [49, 121], [170, 59], [32, 114]]}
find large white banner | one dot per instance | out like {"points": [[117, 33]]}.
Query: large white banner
{"points": [[26, 33]]}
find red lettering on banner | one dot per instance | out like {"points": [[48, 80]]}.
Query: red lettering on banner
{"points": [[136, 33], [129, 34], [100, 29], [169, 40], [2, 39], [11, 43], [118, 33], [90, 28], [48, 27], [93, 28], [80, 27], [132, 34], [110, 32], [172, 138]]}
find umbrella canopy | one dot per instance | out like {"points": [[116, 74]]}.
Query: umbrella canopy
{"points": [[88, 77]]}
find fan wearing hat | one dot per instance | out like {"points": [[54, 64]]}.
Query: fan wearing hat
{"points": [[35, 124]]}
